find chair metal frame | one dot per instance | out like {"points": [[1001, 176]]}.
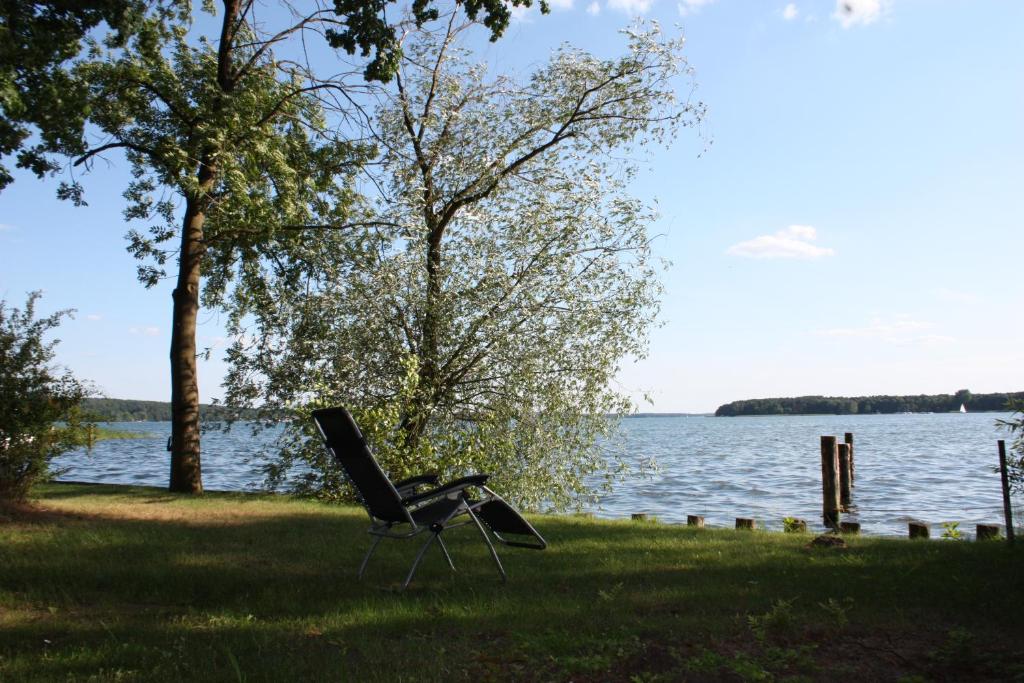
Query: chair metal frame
{"points": [[412, 502]]}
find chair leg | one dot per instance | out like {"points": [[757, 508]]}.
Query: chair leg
{"points": [[490, 546], [373, 546], [444, 549], [416, 563]]}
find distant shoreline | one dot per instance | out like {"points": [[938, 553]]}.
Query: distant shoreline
{"points": [[961, 401]]}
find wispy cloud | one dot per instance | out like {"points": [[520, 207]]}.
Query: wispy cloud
{"points": [[901, 331], [150, 331], [4, 227], [688, 7], [94, 317], [790, 12], [851, 13], [594, 8], [630, 6], [561, 4], [792, 243]]}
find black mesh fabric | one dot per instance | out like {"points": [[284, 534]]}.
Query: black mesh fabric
{"points": [[349, 447]]}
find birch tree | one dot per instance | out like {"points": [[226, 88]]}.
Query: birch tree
{"points": [[511, 272]]}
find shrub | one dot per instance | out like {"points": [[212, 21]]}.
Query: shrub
{"points": [[39, 402]]}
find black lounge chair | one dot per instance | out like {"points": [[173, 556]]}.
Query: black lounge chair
{"points": [[413, 511]]}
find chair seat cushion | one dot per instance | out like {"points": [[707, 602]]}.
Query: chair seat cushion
{"points": [[437, 511]]}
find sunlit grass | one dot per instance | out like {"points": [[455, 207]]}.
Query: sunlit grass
{"points": [[127, 583]]}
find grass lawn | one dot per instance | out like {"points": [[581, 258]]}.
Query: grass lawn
{"points": [[128, 583]]}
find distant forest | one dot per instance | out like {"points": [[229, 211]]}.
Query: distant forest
{"points": [[841, 405], [127, 410]]}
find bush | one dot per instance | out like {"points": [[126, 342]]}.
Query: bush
{"points": [[39, 403]]}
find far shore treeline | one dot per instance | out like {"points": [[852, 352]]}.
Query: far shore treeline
{"points": [[129, 410], [843, 405]]}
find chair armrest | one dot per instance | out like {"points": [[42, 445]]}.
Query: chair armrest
{"points": [[413, 482], [451, 487]]}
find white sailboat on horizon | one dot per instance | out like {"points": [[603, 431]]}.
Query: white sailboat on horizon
{"points": [[963, 408]]}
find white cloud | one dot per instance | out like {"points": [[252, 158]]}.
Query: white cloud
{"points": [[148, 331], [790, 12], [630, 6], [561, 4], [901, 331], [793, 243], [858, 12], [688, 7], [7, 226], [594, 8], [94, 316]]}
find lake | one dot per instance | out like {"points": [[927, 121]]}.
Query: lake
{"points": [[932, 468]]}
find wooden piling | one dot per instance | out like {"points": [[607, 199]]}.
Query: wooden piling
{"points": [[918, 530], [695, 520], [986, 532], [830, 481], [850, 528], [845, 478], [848, 439], [1005, 476], [639, 516], [745, 523]]}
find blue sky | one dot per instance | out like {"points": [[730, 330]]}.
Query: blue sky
{"points": [[848, 221]]}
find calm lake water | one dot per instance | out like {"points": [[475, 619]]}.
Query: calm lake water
{"points": [[931, 468]]}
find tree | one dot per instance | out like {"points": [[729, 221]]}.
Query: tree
{"points": [[36, 38], [509, 275], [238, 135], [39, 404]]}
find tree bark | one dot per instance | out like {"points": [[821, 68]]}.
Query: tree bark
{"points": [[186, 466], [186, 469]]}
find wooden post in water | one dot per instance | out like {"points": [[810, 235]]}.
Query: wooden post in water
{"points": [[745, 523], [845, 477], [830, 481], [639, 516], [851, 528], [917, 530], [848, 438], [985, 532], [695, 520], [1005, 476]]}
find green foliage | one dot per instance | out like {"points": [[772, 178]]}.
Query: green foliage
{"points": [[39, 404], [503, 274], [951, 531], [792, 525], [36, 92], [839, 405], [1015, 453]]}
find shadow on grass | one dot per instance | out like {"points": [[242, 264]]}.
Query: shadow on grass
{"points": [[274, 596]]}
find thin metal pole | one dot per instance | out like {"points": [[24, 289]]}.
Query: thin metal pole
{"points": [[1005, 476], [362, 567]]}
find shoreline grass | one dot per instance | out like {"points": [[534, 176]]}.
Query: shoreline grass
{"points": [[103, 582]]}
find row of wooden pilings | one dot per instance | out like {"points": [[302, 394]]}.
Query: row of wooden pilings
{"points": [[837, 481]]}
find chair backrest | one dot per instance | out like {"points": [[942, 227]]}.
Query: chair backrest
{"points": [[349, 448]]}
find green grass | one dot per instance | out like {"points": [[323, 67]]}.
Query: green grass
{"points": [[126, 583]]}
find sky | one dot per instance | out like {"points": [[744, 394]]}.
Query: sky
{"points": [[846, 221]]}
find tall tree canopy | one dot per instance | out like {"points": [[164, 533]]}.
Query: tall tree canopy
{"points": [[508, 272], [236, 143]]}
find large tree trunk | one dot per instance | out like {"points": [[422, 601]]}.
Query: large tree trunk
{"points": [[186, 472]]}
